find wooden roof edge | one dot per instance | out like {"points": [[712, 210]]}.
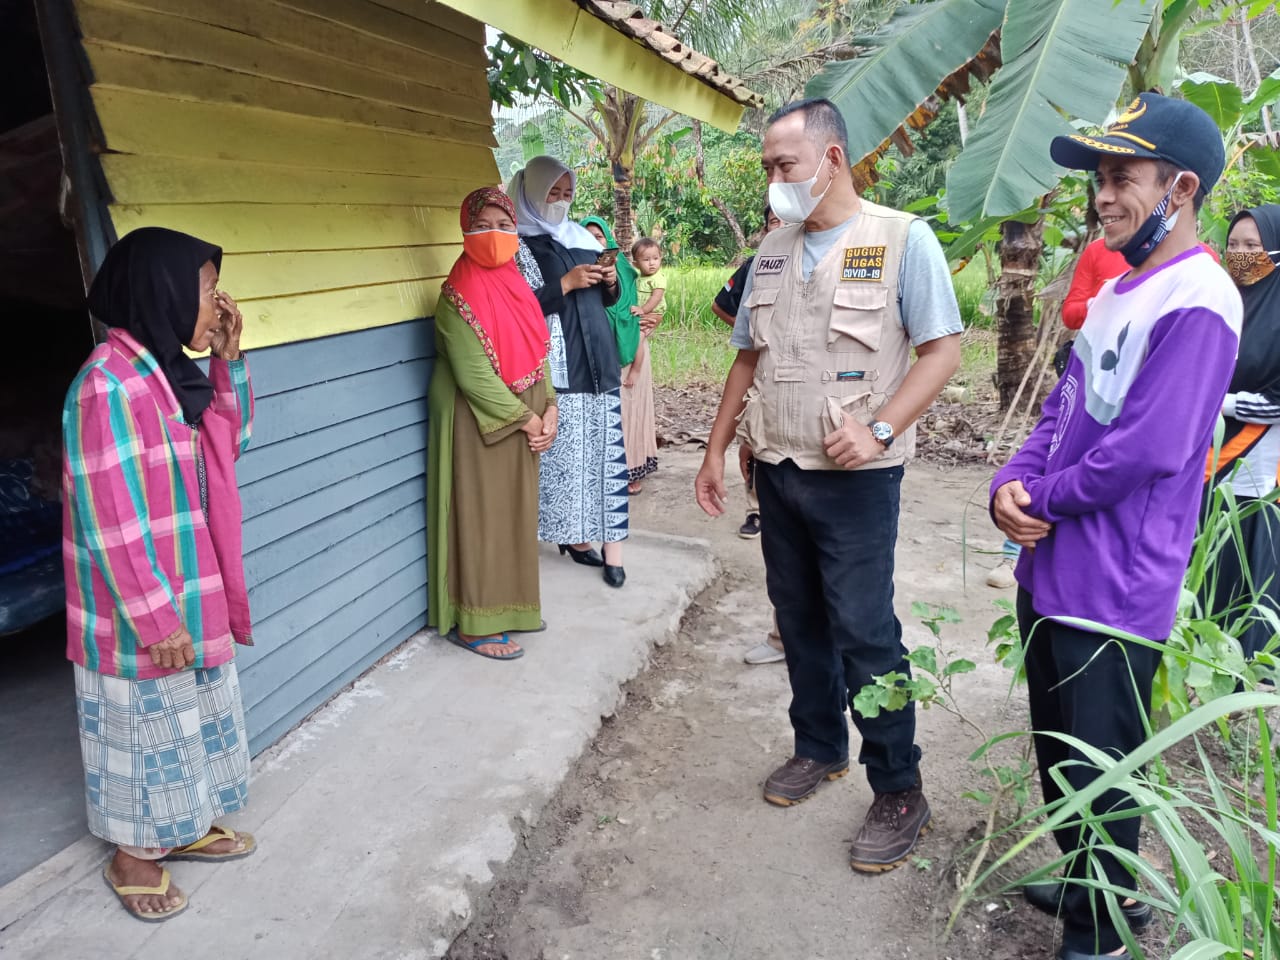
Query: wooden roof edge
{"points": [[630, 20]]}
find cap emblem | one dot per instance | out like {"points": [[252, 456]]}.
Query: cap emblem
{"points": [[1131, 113]]}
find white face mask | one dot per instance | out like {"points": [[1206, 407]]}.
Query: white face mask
{"points": [[553, 213], [795, 202]]}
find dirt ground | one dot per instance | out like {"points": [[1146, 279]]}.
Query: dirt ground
{"points": [[659, 846]]}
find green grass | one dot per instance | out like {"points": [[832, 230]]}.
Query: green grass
{"points": [[972, 294], [977, 361], [692, 346]]}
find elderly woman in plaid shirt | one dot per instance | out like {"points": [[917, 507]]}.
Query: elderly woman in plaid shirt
{"points": [[156, 594]]}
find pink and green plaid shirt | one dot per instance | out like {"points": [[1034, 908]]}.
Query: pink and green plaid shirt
{"points": [[136, 547]]}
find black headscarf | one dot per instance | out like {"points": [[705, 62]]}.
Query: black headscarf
{"points": [[1258, 362], [149, 285]]}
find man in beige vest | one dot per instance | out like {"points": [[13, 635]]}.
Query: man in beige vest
{"points": [[825, 397]]}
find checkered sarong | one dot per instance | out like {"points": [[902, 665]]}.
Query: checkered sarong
{"points": [[163, 757]]}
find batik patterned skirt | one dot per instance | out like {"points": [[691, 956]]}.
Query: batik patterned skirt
{"points": [[582, 485], [162, 758]]}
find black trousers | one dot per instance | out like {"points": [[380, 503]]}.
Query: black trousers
{"points": [[828, 555], [1233, 593], [1096, 689]]}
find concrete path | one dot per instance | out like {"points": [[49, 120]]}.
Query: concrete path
{"points": [[383, 816]]}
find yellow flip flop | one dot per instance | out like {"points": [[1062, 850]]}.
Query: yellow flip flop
{"points": [[196, 851], [159, 890]]}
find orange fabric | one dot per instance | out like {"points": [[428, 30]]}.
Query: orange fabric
{"points": [[1233, 448]]}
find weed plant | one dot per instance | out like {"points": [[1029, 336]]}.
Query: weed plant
{"points": [[1219, 903]]}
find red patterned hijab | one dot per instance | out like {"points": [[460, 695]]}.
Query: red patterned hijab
{"points": [[498, 304]]}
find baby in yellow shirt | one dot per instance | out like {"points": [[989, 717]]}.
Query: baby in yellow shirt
{"points": [[651, 290]]}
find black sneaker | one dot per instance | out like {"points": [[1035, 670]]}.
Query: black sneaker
{"points": [[1047, 898], [750, 528], [894, 824]]}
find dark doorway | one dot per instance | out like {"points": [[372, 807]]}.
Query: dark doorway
{"points": [[47, 336]]}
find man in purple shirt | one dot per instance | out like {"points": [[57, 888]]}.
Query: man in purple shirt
{"points": [[1104, 494]]}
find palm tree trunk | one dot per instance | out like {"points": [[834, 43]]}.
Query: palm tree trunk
{"points": [[623, 224], [1020, 245]]}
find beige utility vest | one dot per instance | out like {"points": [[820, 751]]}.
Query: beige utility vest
{"points": [[835, 343]]}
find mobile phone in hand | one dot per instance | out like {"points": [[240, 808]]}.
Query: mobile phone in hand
{"points": [[607, 258]]}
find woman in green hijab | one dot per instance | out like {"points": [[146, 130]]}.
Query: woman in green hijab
{"points": [[638, 427], [625, 324]]}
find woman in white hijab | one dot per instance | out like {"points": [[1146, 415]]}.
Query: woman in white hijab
{"points": [[583, 485]]}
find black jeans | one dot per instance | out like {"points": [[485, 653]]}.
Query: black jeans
{"points": [[828, 556], [1096, 689]]}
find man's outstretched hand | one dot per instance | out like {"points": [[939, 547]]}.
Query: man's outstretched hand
{"points": [[709, 487]]}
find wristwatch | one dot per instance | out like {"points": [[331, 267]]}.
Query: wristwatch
{"points": [[883, 432]]}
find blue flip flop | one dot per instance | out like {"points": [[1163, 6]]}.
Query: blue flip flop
{"points": [[475, 645]]}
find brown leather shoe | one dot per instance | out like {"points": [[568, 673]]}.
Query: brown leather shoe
{"points": [[799, 777], [894, 824]]}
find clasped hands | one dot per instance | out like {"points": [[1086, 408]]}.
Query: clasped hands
{"points": [[1014, 522], [174, 652], [541, 430]]}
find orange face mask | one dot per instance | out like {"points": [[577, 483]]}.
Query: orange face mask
{"points": [[1247, 267], [490, 248]]}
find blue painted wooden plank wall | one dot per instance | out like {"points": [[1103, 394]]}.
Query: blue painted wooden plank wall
{"points": [[335, 518]]}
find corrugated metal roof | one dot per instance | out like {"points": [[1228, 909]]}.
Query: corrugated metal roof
{"points": [[630, 20]]}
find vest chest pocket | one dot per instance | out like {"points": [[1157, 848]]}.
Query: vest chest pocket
{"points": [[762, 302], [857, 318]]}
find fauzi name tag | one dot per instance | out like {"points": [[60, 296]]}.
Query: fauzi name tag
{"points": [[770, 266], [863, 263]]}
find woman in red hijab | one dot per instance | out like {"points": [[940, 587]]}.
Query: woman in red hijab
{"points": [[493, 413]]}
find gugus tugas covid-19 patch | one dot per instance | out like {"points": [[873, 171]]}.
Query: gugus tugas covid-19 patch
{"points": [[863, 263]]}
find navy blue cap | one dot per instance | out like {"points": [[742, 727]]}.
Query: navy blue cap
{"points": [[1155, 127]]}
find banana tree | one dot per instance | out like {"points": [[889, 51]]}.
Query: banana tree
{"points": [[1049, 61], [1253, 150]]}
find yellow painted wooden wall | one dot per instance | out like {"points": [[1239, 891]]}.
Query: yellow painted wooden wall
{"points": [[325, 144]]}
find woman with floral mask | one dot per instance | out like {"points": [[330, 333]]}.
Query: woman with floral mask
{"points": [[493, 414], [1250, 452], [584, 475]]}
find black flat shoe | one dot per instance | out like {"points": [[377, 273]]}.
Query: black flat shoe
{"points": [[614, 576], [1047, 898], [1066, 953], [588, 557]]}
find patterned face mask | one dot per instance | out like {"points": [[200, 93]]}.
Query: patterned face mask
{"points": [[1247, 267], [1153, 231]]}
